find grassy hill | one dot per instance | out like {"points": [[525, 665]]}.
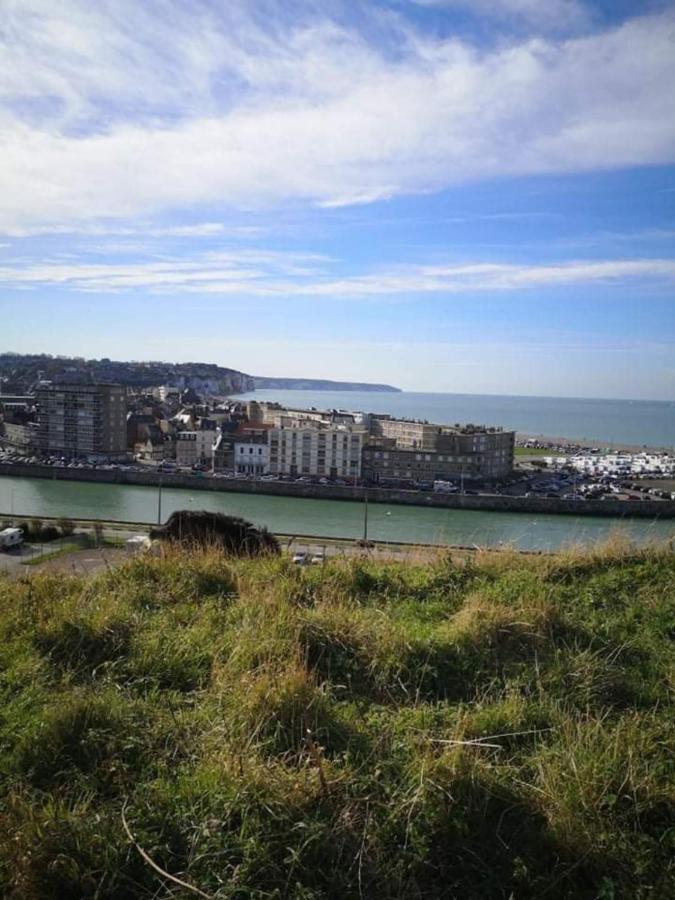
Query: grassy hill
{"points": [[500, 728]]}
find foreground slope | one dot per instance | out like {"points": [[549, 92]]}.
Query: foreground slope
{"points": [[496, 728]]}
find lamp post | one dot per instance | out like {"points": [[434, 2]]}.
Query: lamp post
{"points": [[159, 502], [365, 517]]}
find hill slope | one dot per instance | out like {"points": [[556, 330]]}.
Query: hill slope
{"points": [[23, 371], [500, 728], [320, 384]]}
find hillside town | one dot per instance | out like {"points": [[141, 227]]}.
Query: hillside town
{"points": [[175, 429]]}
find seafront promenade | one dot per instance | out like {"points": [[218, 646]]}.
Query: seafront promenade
{"points": [[616, 508]]}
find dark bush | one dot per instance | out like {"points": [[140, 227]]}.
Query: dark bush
{"points": [[234, 535], [35, 530], [66, 526]]}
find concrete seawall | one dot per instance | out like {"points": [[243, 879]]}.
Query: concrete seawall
{"points": [[645, 509]]}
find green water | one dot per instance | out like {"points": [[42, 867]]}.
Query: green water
{"points": [[330, 518]]}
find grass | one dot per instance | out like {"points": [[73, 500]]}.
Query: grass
{"points": [[62, 550], [496, 727], [77, 542], [534, 451]]}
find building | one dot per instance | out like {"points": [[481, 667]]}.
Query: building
{"points": [[406, 451], [153, 444], [223, 452], [82, 420], [316, 449], [166, 393], [194, 448], [139, 427], [406, 434], [11, 403], [18, 435], [251, 449]]}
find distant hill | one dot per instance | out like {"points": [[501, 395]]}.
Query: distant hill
{"points": [[23, 371], [320, 384]]}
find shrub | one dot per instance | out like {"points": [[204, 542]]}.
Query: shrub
{"points": [[234, 535], [66, 526]]}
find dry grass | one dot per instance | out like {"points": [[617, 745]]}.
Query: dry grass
{"points": [[489, 726]]}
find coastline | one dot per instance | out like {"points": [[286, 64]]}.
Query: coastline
{"points": [[617, 424]]}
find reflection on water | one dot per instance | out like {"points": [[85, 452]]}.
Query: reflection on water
{"points": [[330, 518]]}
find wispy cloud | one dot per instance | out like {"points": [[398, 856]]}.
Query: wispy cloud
{"points": [[259, 273], [142, 230], [131, 109]]}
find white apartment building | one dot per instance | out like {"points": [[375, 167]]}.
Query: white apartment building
{"points": [[251, 457], [316, 449], [194, 447], [166, 392]]}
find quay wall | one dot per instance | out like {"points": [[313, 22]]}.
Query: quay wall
{"points": [[644, 509]]}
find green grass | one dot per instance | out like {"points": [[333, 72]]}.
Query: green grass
{"points": [[534, 451], [78, 542], [62, 550], [492, 728]]}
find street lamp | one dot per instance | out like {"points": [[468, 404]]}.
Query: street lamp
{"points": [[159, 502]]}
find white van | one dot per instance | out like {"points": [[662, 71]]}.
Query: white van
{"points": [[11, 537]]}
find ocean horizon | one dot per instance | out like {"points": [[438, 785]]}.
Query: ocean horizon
{"points": [[648, 423]]}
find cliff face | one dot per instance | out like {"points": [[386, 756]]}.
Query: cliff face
{"points": [[22, 372], [319, 384]]}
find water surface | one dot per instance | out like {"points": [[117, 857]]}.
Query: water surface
{"points": [[633, 422], [329, 518]]}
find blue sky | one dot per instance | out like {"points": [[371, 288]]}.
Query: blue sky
{"points": [[442, 194]]}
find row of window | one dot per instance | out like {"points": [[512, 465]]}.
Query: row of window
{"points": [[428, 457]]}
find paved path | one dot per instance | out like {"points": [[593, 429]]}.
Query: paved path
{"points": [[84, 562], [76, 562]]}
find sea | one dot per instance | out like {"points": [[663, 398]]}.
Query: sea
{"points": [[635, 423]]}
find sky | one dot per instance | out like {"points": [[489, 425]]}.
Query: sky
{"points": [[472, 196]]}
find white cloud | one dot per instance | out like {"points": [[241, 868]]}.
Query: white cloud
{"points": [[266, 274], [148, 230], [113, 110]]}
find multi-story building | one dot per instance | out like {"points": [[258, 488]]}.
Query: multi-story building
{"points": [[194, 447], [315, 448], [18, 435], [406, 434], [421, 452], [223, 452], [82, 420], [251, 449]]}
